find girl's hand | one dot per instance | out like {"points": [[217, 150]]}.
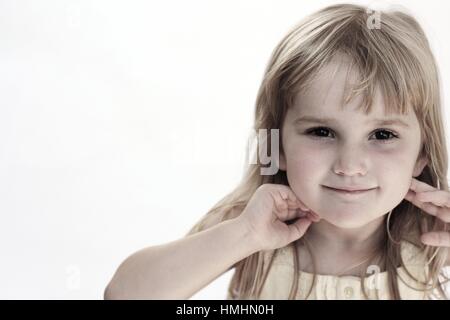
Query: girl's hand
{"points": [[267, 214], [435, 202]]}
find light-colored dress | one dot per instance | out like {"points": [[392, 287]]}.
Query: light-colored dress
{"points": [[330, 287]]}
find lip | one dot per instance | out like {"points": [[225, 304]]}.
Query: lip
{"points": [[349, 191]]}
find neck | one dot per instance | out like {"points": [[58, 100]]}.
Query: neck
{"points": [[330, 238], [338, 251]]}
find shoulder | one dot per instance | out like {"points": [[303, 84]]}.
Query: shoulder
{"points": [[412, 251]]}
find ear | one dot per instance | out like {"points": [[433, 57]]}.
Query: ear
{"points": [[419, 166]]}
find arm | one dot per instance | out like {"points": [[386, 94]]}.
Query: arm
{"points": [[179, 269]]}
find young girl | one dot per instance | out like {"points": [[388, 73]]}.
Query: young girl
{"points": [[359, 206]]}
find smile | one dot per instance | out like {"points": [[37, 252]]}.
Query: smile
{"points": [[348, 193]]}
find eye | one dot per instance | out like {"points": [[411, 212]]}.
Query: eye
{"points": [[382, 134]]}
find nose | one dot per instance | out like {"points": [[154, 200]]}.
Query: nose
{"points": [[350, 161]]}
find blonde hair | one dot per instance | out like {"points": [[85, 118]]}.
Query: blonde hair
{"points": [[397, 58]]}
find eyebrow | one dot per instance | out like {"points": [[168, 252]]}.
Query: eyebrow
{"points": [[327, 121]]}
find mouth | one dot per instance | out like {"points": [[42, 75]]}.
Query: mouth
{"points": [[349, 192]]}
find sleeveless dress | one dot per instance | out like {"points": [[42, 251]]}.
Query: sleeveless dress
{"points": [[330, 287]]}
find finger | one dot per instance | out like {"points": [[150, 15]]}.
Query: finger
{"points": [[410, 195], [293, 199], [313, 216], [287, 211], [295, 213], [298, 229], [299, 213], [282, 211], [293, 204], [286, 193], [442, 213], [419, 186], [437, 197], [436, 238]]}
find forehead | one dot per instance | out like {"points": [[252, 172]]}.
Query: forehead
{"points": [[325, 94]]}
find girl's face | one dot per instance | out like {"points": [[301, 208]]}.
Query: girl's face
{"points": [[347, 149]]}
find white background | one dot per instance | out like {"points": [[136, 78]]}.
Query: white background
{"points": [[123, 122]]}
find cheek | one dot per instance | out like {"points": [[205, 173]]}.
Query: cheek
{"points": [[394, 169], [305, 165]]}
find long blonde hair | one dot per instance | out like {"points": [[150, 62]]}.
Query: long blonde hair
{"points": [[397, 57]]}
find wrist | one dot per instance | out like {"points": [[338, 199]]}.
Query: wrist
{"points": [[247, 235]]}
